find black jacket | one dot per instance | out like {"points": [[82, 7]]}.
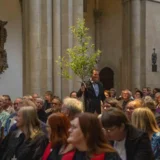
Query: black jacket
{"points": [[138, 145], [92, 102], [31, 149]]}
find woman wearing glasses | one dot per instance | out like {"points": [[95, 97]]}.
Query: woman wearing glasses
{"points": [[87, 136]]}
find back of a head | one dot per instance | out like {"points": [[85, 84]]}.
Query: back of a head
{"points": [[74, 106], [144, 119], [31, 121], [113, 102], [59, 125], [27, 102], [93, 133], [113, 117], [150, 103], [137, 103]]}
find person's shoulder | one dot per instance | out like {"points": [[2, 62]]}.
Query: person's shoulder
{"points": [[134, 133]]}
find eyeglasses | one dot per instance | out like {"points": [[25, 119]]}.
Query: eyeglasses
{"points": [[130, 108], [54, 104], [109, 130]]}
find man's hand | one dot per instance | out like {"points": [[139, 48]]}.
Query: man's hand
{"points": [[83, 88]]}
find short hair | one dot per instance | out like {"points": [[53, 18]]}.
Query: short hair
{"points": [[93, 133], [113, 102], [7, 96], [49, 93], [150, 103], [40, 99], [31, 122], [114, 117], [72, 92], [107, 91], [136, 103], [144, 119], [29, 97], [59, 125], [74, 106], [94, 69], [57, 98], [140, 92], [127, 90]]}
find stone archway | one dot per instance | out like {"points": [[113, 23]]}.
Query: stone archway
{"points": [[107, 78]]}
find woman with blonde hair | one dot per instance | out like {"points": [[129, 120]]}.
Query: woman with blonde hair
{"points": [[26, 143], [144, 119]]}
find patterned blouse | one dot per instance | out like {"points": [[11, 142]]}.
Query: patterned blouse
{"points": [[155, 143], [3, 117]]}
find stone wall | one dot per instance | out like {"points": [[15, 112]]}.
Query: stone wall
{"points": [[11, 79], [152, 41]]}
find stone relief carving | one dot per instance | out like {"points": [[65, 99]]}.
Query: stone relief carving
{"points": [[3, 54]]}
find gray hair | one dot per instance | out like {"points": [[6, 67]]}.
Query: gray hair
{"points": [[74, 106], [40, 99]]}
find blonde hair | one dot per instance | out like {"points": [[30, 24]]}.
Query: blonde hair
{"points": [[144, 119], [27, 102], [29, 97], [137, 103], [73, 104], [2, 98], [31, 122]]}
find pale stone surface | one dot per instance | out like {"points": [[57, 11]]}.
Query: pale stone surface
{"points": [[152, 41], [11, 80], [111, 41], [135, 43]]}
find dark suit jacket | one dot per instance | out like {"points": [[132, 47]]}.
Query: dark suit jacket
{"points": [[138, 145], [91, 101]]}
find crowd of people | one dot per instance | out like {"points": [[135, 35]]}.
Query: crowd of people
{"points": [[102, 126]]}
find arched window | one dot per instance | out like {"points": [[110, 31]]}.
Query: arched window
{"points": [[107, 78]]}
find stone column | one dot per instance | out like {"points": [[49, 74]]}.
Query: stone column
{"points": [[97, 26], [31, 46], [77, 13], [126, 47], [65, 14], [56, 47], [136, 43], [46, 46], [37, 46]]}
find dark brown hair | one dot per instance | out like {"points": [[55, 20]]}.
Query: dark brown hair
{"points": [[59, 125], [93, 133], [113, 117], [113, 102]]}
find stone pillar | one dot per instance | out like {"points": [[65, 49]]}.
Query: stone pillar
{"points": [[65, 14], [31, 46], [136, 43], [46, 46], [97, 26], [37, 46], [56, 47], [126, 47], [77, 13]]}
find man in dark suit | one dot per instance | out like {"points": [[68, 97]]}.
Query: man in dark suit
{"points": [[93, 92]]}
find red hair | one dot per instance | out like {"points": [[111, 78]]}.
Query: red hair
{"points": [[59, 124]]}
